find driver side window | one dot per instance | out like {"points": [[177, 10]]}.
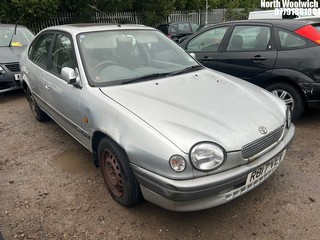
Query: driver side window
{"points": [[62, 55], [208, 41]]}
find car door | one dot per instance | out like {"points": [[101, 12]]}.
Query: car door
{"points": [[64, 98], [250, 53], [38, 54], [206, 45]]}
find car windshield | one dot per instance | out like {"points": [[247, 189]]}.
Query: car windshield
{"points": [[8, 37], [117, 57]]}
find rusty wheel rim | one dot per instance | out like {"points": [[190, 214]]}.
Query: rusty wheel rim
{"points": [[112, 173]]}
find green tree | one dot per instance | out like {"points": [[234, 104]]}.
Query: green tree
{"points": [[12, 10], [154, 12]]}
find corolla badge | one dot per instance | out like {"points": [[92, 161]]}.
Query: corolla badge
{"points": [[263, 130]]}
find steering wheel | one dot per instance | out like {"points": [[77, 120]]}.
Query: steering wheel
{"points": [[95, 71]]}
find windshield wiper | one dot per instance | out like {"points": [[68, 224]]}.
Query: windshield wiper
{"points": [[186, 70], [147, 77], [166, 74]]}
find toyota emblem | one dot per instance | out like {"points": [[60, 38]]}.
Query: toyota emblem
{"points": [[263, 130]]}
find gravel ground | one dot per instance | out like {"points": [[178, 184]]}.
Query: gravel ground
{"points": [[50, 189]]}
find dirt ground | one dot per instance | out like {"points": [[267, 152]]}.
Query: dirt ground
{"points": [[50, 189]]}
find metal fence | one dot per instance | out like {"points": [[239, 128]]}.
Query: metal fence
{"points": [[213, 16]]}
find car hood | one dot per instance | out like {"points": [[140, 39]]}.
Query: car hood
{"points": [[10, 54], [202, 106]]}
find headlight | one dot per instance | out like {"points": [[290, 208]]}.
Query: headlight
{"points": [[207, 156], [177, 163], [2, 71], [288, 117]]}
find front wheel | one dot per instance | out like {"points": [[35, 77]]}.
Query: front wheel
{"points": [[291, 96], [117, 173]]}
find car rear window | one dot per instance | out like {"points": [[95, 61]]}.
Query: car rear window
{"points": [[289, 40]]}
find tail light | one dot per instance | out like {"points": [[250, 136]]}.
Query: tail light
{"points": [[309, 32]]}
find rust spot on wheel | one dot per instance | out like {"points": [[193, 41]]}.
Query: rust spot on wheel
{"points": [[112, 173]]}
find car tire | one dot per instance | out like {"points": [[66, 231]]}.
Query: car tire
{"points": [[117, 173], [36, 111], [291, 96]]}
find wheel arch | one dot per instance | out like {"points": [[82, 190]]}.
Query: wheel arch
{"points": [[24, 86], [286, 80], [96, 138]]}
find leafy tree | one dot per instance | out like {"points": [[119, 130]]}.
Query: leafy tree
{"points": [[112, 5], [154, 12], [12, 10]]}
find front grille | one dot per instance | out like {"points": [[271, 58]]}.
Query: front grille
{"points": [[13, 67], [262, 143]]}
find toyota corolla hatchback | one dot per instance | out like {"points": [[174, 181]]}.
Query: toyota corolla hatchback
{"points": [[161, 126], [282, 56]]}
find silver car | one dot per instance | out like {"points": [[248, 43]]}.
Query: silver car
{"points": [[161, 126]]}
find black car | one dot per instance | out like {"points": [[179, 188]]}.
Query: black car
{"points": [[177, 30], [13, 39], [282, 56]]}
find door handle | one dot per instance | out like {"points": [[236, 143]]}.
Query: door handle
{"points": [[206, 58], [258, 58], [48, 87]]}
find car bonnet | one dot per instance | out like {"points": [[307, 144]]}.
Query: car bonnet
{"points": [[202, 106], [10, 54]]}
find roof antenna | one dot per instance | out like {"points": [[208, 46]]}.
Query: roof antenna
{"points": [[15, 29], [98, 10]]}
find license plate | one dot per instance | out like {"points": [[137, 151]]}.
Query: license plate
{"points": [[17, 77], [265, 170]]}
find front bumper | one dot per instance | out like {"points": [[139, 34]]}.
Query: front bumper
{"points": [[205, 192], [9, 80]]}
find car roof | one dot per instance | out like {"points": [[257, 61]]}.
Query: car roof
{"points": [[94, 27], [289, 24]]}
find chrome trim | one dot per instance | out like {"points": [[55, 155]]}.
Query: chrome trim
{"points": [[259, 145]]}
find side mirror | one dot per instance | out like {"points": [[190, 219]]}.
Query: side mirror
{"points": [[69, 75], [193, 55]]}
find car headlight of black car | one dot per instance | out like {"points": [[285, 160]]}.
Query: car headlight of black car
{"points": [[207, 156]]}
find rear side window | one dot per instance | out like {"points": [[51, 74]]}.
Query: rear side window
{"points": [[290, 40], [39, 50]]}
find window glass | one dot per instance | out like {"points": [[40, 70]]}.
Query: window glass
{"points": [[115, 57], [289, 40], [250, 38], [208, 41], [14, 37], [39, 50], [194, 27], [172, 29], [62, 55], [184, 27]]}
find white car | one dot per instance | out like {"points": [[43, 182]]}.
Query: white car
{"points": [[160, 125]]}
